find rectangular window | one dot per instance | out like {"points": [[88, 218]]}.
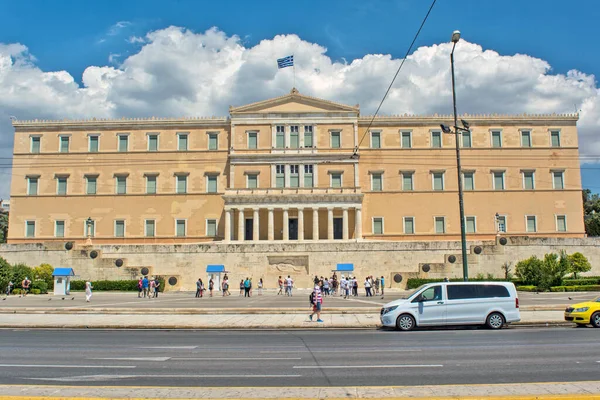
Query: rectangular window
{"points": [[409, 225], [280, 137], [91, 184], [181, 184], [211, 184], [558, 181], [121, 184], [406, 140], [470, 224], [252, 181], [150, 184], [336, 141], [375, 140], [336, 180], [407, 181], [213, 141], [501, 223], [438, 181], [180, 227], [531, 223], [59, 229], [252, 140], [440, 225], [436, 139], [152, 142], [61, 186], [35, 144], [211, 227], [468, 181], [466, 139], [182, 141], [123, 143], [150, 228], [308, 136], [93, 144], [525, 139], [279, 176], [377, 182], [30, 229], [498, 180], [294, 137], [294, 176], [496, 139], [64, 144], [528, 180], [120, 228], [32, 186], [308, 176], [561, 223], [555, 138], [378, 226]]}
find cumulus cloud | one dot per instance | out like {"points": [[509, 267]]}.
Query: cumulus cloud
{"points": [[177, 72]]}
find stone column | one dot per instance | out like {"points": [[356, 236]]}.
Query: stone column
{"points": [[330, 223], [286, 224], [241, 223], [315, 212], [271, 235], [345, 223], [358, 226], [300, 224], [255, 226], [228, 224]]}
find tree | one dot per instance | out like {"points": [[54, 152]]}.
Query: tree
{"points": [[529, 271], [578, 263], [44, 273], [19, 272], [591, 212], [5, 273], [507, 269], [3, 227]]}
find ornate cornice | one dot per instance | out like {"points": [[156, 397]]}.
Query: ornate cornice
{"points": [[120, 124], [473, 119], [286, 200]]}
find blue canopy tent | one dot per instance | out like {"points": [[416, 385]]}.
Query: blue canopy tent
{"points": [[214, 272]]}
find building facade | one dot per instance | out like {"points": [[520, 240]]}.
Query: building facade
{"points": [[293, 168]]}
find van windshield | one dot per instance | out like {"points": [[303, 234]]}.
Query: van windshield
{"points": [[410, 294]]}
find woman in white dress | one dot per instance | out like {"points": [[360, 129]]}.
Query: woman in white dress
{"points": [[88, 291]]}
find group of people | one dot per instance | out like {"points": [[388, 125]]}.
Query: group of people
{"points": [[285, 285], [148, 288], [200, 288], [348, 286]]}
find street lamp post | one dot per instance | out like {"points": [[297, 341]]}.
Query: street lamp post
{"points": [[88, 224]]}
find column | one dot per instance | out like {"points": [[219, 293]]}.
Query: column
{"points": [[271, 235], [315, 212], [300, 224], [255, 226], [286, 224], [228, 224], [241, 223], [358, 226], [345, 223], [330, 223]]}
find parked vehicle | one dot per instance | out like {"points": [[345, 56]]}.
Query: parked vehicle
{"points": [[494, 304], [584, 313]]}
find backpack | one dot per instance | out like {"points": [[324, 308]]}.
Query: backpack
{"points": [[311, 297]]}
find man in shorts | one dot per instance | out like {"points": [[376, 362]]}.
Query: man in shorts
{"points": [[317, 300]]}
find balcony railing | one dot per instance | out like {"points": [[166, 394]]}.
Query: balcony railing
{"points": [[299, 190]]}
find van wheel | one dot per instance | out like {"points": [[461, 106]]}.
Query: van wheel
{"points": [[595, 320], [405, 322], [495, 320]]}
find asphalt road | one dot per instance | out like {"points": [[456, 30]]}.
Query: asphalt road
{"points": [[297, 358]]}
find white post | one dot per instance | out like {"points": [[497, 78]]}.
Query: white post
{"points": [[358, 224], [271, 224], [228, 225], [286, 224], [241, 223], [255, 226], [330, 223], [345, 223], [315, 212], [300, 224]]}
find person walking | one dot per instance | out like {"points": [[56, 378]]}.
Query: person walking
{"points": [[9, 288], [199, 288], [355, 286], [152, 288], [211, 287], [317, 301], [25, 286], [140, 286], [145, 285], [242, 287], [377, 283], [226, 291], [246, 285], [156, 286], [88, 291], [280, 284], [260, 287], [325, 287], [367, 287], [290, 285], [382, 285]]}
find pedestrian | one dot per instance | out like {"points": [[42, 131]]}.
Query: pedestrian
{"points": [[377, 283], [325, 287], [355, 286], [25, 286], [156, 286], [145, 285], [140, 286], [335, 284], [226, 291], [199, 288], [367, 287], [285, 287], [211, 286], [246, 285], [242, 287], [446, 279], [152, 288], [317, 303], [260, 287], [9, 288], [88, 291], [250, 289], [382, 285], [280, 284], [290, 285]]}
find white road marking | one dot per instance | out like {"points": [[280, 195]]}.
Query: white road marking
{"points": [[133, 358], [64, 366], [89, 378], [232, 359], [170, 347], [364, 366], [337, 351]]}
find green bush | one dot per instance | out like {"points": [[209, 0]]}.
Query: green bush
{"points": [[5, 274], [35, 291], [527, 288], [413, 283], [587, 288], [20, 272], [42, 286], [578, 263], [44, 273], [581, 282]]}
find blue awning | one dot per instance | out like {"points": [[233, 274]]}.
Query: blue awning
{"points": [[215, 268], [345, 267], [63, 272]]}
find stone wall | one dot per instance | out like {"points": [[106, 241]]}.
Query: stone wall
{"points": [[187, 262]]}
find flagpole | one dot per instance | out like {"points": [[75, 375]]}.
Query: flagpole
{"points": [[294, 68]]}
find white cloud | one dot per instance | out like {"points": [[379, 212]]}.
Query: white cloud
{"points": [[118, 27], [178, 72], [135, 40]]}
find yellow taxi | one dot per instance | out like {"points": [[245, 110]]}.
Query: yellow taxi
{"points": [[584, 313]]}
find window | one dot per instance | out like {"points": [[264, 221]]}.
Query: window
{"points": [[462, 292], [294, 176], [468, 180], [150, 184], [409, 225], [525, 139], [558, 180], [61, 186], [407, 181], [59, 229], [440, 224], [120, 228], [90, 230], [211, 184], [466, 139], [377, 182], [121, 184], [308, 136], [280, 137], [180, 227], [280, 176], [561, 223], [211, 227], [123, 143], [336, 180], [496, 139], [64, 144], [375, 140], [294, 137], [308, 176], [91, 184], [150, 228], [252, 140], [93, 143], [152, 142], [436, 139], [213, 141], [336, 141], [555, 138], [528, 180], [35, 144], [252, 181], [29, 229], [181, 184], [438, 181], [498, 180], [378, 226], [433, 293], [32, 185], [531, 223], [406, 140], [501, 223], [470, 224], [182, 141]]}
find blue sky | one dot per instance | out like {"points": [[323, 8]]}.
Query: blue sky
{"points": [[73, 35]]}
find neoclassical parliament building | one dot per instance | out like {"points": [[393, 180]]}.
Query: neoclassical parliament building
{"points": [[293, 168]]}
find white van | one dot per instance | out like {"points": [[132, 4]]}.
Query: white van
{"points": [[454, 303]]}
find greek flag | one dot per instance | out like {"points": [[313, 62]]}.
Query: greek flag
{"points": [[285, 62]]}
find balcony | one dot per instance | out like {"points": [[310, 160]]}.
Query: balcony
{"points": [[300, 195]]}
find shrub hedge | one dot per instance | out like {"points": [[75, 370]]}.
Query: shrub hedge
{"points": [[42, 286], [527, 288], [588, 280], [123, 286], [413, 283], [574, 288]]}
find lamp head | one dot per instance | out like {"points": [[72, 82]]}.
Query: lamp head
{"points": [[446, 128], [465, 124], [497, 215], [455, 36]]}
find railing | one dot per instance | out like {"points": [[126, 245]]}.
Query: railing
{"points": [[299, 190]]}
